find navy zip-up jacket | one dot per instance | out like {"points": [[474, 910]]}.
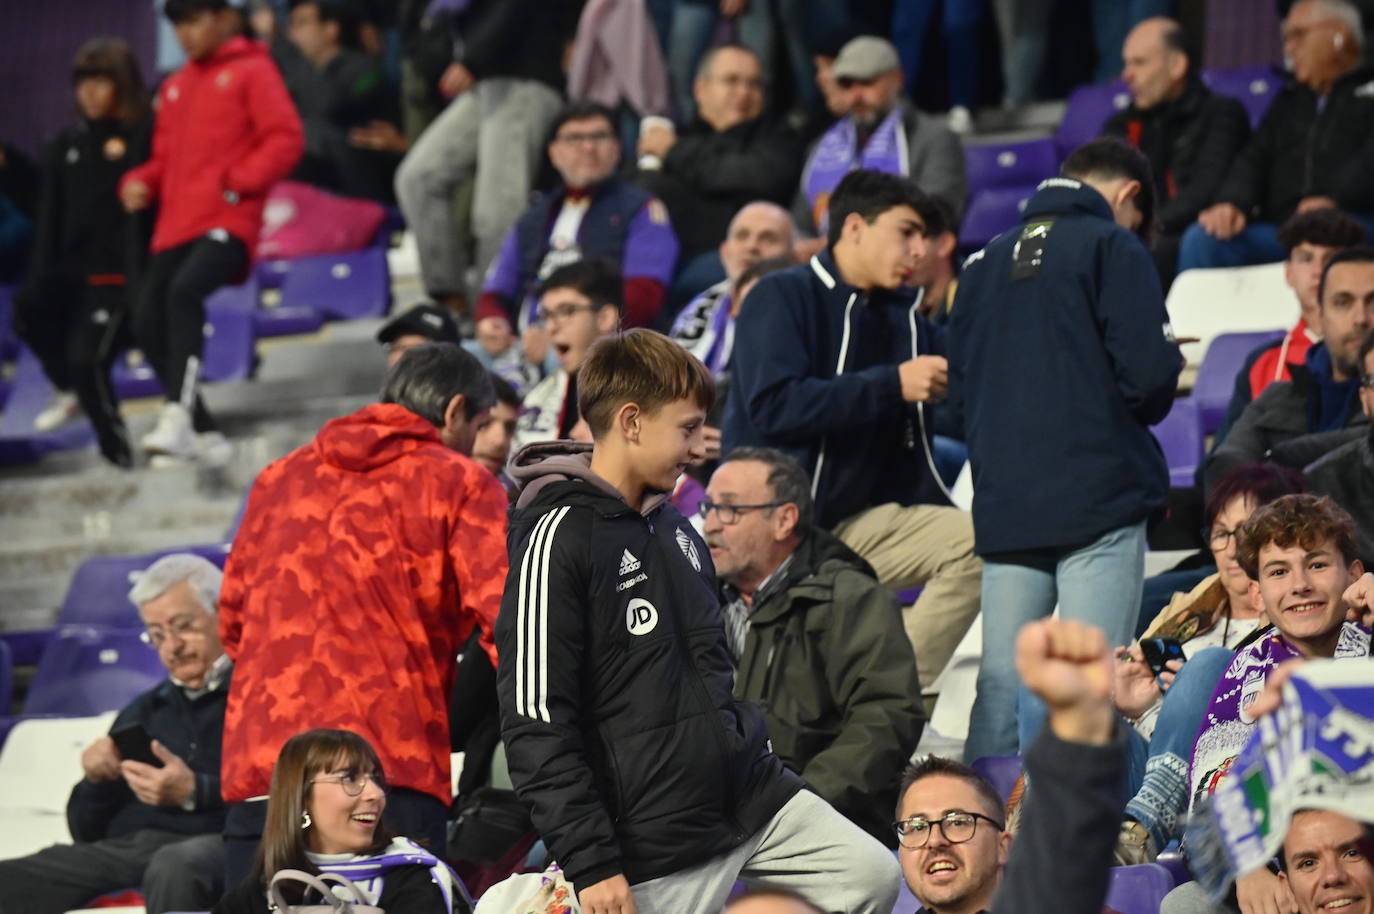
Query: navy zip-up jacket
{"points": [[1061, 357], [815, 375]]}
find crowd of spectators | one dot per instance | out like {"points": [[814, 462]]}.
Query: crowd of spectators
{"points": [[698, 588]]}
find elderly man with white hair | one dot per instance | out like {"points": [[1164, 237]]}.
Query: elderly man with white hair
{"points": [[152, 824]]}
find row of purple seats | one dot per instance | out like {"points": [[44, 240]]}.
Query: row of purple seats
{"points": [[1180, 437], [1002, 177], [229, 346], [1089, 106]]}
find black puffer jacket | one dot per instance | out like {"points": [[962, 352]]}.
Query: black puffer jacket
{"points": [[620, 728], [1191, 143], [1305, 148]]}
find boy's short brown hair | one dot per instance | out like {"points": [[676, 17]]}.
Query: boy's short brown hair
{"points": [[1295, 520], [638, 366]]}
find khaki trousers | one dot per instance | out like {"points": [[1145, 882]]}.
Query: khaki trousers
{"points": [[923, 546]]}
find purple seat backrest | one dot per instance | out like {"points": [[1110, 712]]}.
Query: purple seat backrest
{"points": [[1253, 87], [340, 286], [6, 678], [90, 669], [30, 394], [1001, 771], [98, 594], [229, 345], [1216, 376], [992, 212], [1009, 164], [1088, 109], [1138, 889], [1180, 437]]}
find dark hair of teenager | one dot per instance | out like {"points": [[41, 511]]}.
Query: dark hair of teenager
{"points": [[599, 280], [761, 268], [304, 757], [113, 59], [1328, 227], [1360, 253], [178, 11], [1109, 158], [505, 391], [1305, 521], [870, 194], [427, 377]]}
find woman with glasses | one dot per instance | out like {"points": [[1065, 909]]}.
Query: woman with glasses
{"points": [[1210, 622], [324, 814]]}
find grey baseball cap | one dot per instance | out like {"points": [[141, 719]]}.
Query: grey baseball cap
{"points": [[866, 57]]}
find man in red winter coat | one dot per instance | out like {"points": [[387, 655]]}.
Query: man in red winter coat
{"points": [[365, 561], [226, 131]]}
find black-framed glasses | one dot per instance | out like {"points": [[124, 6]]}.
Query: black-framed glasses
{"points": [[562, 312], [1218, 537], [957, 827], [352, 782], [729, 514], [596, 136]]}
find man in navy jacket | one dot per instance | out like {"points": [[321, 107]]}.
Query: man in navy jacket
{"points": [[1061, 357], [835, 366]]}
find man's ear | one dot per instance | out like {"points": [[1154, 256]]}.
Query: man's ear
{"points": [[455, 414], [607, 319], [1004, 847], [945, 244], [1128, 190], [786, 518]]}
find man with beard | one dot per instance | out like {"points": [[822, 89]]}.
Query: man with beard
{"points": [[1301, 420], [882, 131]]}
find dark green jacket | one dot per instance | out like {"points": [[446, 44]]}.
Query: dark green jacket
{"points": [[828, 660]]}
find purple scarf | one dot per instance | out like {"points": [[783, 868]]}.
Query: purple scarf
{"points": [[837, 154], [370, 872]]}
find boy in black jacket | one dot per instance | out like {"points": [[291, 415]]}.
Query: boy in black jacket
{"points": [[654, 789]]}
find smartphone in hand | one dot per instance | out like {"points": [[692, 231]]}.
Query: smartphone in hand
{"points": [[1159, 651], [135, 745]]}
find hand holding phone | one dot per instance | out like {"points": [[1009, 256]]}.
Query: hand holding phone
{"points": [[135, 745], [1159, 651]]}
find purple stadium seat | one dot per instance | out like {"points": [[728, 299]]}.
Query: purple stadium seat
{"points": [[89, 669], [30, 395], [229, 345], [6, 678], [1180, 437], [1010, 164], [1088, 109], [26, 645], [1178, 868], [1001, 771], [1138, 889], [286, 320], [1216, 376], [340, 286], [1253, 87], [98, 593], [992, 212]]}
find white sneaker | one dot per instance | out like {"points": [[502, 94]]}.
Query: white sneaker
{"points": [[215, 449], [58, 413], [172, 436], [960, 120]]}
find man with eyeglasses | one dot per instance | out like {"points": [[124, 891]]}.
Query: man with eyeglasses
{"points": [[591, 215], [1297, 422], [155, 826], [882, 131], [1346, 475], [818, 642], [578, 304]]}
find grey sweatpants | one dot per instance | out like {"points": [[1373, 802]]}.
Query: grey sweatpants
{"points": [[807, 847], [491, 136]]}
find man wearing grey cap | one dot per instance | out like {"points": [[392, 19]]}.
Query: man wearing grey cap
{"points": [[883, 131], [424, 323]]}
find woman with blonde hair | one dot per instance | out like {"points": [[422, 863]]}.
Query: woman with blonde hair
{"points": [[324, 815]]}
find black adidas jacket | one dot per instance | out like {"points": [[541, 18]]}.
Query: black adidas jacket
{"points": [[621, 729]]}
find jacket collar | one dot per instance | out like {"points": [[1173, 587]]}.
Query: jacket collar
{"points": [[818, 549], [1057, 196], [823, 268]]}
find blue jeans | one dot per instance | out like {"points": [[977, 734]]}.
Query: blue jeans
{"points": [[1259, 243], [1159, 768], [959, 29], [1098, 583]]}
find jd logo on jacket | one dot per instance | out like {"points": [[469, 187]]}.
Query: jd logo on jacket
{"points": [[640, 616]]}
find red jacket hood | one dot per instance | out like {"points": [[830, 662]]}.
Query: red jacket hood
{"points": [[373, 436]]}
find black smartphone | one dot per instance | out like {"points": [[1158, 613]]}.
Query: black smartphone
{"points": [[1159, 651], [134, 744]]}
